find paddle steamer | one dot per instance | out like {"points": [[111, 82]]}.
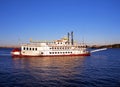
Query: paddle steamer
{"points": [[63, 47]]}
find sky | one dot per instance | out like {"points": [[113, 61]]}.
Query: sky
{"points": [[92, 21]]}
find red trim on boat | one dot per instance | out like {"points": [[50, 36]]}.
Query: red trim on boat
{"points": [[16, 50], [20, 56]]}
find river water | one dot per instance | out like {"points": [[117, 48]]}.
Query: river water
{"points": [[101, 69]]}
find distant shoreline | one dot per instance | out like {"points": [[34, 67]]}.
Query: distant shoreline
{"points": [[9, 47], [106, 46]]}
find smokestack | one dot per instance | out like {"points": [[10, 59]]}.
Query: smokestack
{"points": [[72, 42], [68, 38]]}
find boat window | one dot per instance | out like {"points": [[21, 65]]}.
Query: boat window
{"points": [[27, 48], [32, 48], [24, 48], [36, 49]]}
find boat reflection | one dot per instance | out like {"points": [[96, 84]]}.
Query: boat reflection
{"points": [[48, 67]]}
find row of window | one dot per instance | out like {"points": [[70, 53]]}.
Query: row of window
{"points": [[60, 48], [30, 49], [60, 52], [66, 47], [58, 43], [62, 43]]}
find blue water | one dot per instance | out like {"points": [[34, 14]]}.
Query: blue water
{"points": [[101, 69]]}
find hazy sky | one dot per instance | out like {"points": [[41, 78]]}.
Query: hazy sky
{"points": [[95, 21]]}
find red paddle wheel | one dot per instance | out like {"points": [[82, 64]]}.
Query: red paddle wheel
{"points": [[16, 52]]}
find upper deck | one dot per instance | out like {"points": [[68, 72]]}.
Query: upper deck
{"points": [[63, 42]]}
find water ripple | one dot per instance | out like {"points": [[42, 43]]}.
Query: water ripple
{"points": [[99, 70]]}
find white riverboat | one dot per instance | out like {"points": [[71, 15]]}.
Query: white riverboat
{"points": [[62, 47]]}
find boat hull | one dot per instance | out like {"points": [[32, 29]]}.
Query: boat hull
{"points": [[23, 56], [16, 53]]}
